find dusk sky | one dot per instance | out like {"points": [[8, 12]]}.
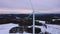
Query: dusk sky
{"points": [[39, 5]]}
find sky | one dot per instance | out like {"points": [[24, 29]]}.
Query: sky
{"points": [[38, 5]]}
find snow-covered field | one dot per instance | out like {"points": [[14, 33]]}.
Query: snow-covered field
{"points": [[4, 29], [53, 29]]}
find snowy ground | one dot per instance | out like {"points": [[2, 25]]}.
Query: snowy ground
{"points": [[4, 29], [53, 29]]}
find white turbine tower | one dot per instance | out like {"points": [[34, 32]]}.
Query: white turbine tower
{"points": [[33, 16]]}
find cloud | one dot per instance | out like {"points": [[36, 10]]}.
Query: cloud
{"points": [[25, 4], [15, 11], [49, 11], [27, 11]]}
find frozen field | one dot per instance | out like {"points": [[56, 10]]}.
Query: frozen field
{"points": [[4, 29], [53, 29]]}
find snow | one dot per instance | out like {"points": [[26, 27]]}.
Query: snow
{"points": [[4, 28], [53, 29]]}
